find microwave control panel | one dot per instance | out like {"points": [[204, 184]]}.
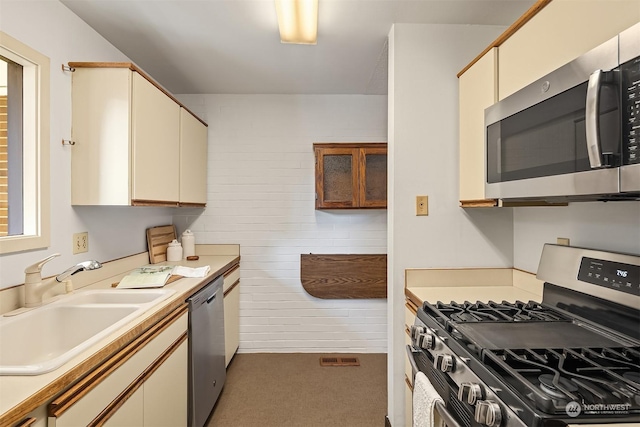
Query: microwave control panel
{"points": [[631, 111]]}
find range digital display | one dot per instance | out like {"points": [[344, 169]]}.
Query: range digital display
{"points": [[609, 274]]}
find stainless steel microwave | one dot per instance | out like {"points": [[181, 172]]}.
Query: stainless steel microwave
{"points": [[573, 134]]}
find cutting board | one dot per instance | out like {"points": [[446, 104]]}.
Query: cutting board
{"points": [[158, 238]]}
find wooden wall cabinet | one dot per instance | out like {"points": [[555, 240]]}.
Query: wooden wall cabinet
{"points": [[351, 175], [134, 144]]}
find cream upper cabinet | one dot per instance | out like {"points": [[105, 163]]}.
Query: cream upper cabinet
{"points": [[155, 128], [478, 89], [559, 33], [129, 138], [193, 159]]}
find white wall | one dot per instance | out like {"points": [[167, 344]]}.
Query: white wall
{"points": [[423, 146], [610, 226], [53, 30], [261, 195]]}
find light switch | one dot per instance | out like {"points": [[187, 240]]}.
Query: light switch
{"points": [[422, 205]]}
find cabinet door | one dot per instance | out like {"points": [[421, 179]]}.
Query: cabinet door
{"points": [[559, 33], [165, 391], [337, 178], [101, 129], [373, 177], [156, 132], [231, 322], [477, 90], [193, 159]]}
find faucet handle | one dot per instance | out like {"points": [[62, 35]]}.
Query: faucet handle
{"points": [[35, 268]]}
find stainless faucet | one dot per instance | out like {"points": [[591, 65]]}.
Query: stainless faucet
{"points": [[34, 287]]}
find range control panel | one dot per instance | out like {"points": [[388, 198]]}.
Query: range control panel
{"points": [[609, 274]]}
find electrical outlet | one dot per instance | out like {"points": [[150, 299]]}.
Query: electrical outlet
{"points": [[422, 205], [563, 241], [80, 242]]}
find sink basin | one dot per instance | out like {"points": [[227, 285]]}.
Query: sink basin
{"points": [[43, 339]]}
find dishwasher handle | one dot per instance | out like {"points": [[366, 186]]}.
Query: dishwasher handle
{"points": [[212, 297]]}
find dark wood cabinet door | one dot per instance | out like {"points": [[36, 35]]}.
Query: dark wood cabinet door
{"points": [[373, 177], [351, 175]]}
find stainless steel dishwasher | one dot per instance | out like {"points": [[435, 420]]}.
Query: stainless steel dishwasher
{"points": [[207, 371]]}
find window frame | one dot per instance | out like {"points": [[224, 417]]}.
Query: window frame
{"points": [[36, 136]]}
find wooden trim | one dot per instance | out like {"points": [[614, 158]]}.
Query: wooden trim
{"points": [[60, 405], [231, 270], [349, 145], [191, 205], [479, 203], [524, 271], [412, 306], [406, 380], [412, 298], [26, 422], [362, 177], [231, 288], [133, 67], [120, 400], [138, 202], [337, 276], [533, 10]]}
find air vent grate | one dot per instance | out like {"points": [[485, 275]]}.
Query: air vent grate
{"points": [[339, 361]]}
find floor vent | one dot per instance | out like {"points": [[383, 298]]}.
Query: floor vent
{"points": [[339, 361]]}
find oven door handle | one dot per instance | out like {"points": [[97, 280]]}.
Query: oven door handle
{"points": [[412, 361], [444, 413]]}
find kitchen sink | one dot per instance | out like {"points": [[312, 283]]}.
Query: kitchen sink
{"points": [[44, 338]]}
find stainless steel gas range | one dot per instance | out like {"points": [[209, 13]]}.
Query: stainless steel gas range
{"points": [[574, 358]]}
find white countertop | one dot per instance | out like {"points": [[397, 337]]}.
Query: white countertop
{"points": [[16, 390]]}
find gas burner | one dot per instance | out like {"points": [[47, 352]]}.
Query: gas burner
{"points": [[554, 388], [634, 377]]}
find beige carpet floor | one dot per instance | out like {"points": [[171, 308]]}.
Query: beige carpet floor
{"points": [[277, 390]]}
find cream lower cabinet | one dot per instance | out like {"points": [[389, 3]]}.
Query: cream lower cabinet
{"points": [[478, 89], [231, 313], [144, 384], [559, 33]]}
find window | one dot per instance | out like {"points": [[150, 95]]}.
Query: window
{"points": [[24, 147]]}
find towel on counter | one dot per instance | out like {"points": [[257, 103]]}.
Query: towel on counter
{"points": [[190, 272], [424, 401]]}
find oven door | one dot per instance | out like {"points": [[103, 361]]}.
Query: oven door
{"points": [[559, 136], [448, 418]]}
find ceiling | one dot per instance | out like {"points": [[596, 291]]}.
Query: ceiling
{"points": [[233, 46]]}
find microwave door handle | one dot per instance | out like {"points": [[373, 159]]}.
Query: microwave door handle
{"points": [[592, 123]]}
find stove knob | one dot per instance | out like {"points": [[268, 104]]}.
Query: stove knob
{"points": [[416, 331], [488, 413], [444, 362], [426, 341], [470, 393]]}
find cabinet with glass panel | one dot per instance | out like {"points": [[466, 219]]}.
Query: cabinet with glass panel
{"points": [[351, 175]]}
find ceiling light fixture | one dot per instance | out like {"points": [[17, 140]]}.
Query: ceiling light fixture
{"points": [[298, 21]]}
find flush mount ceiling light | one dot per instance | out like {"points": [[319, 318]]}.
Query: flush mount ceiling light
{"points": [[298, 21]]}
